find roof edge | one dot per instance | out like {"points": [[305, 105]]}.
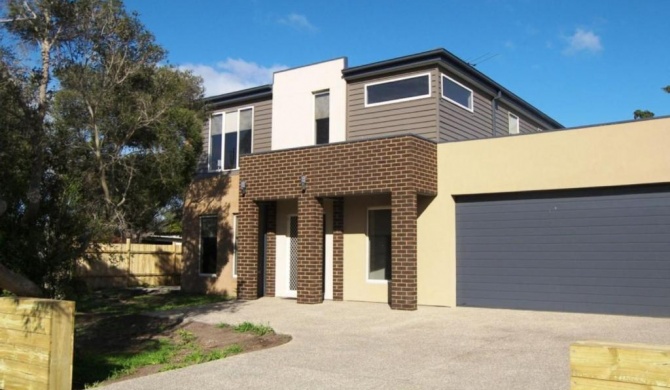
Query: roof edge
{"points": [[436, 57], [263, 91]]}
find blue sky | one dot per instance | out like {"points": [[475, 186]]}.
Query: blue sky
{"points": [[582, 62]]}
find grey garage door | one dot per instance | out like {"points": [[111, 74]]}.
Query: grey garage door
{"points": [[598, 251]]}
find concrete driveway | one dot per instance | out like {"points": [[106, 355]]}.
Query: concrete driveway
{"points": [[352, 345]]}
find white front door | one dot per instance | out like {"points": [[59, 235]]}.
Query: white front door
{"points": [[292, 256]]}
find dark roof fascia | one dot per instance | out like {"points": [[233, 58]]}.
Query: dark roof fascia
{"points": [[246, 95], [445, 59]]}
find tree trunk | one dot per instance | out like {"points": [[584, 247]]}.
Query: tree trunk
{"points": [[18, 284]]}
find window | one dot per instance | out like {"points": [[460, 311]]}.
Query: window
{"points": [[215, 125], [234, 245], [398, 90], [513, 124], [322, 117], [230, 138], [457, 93], [208, 234], [379, 244]]}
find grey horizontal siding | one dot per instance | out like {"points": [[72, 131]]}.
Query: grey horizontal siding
{"points": [[457, 123], [601, 250], [412, 117], [202, 160], [262, 135], [526, 125]]}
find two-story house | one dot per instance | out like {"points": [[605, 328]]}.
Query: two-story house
{"points": [[337, 182]]}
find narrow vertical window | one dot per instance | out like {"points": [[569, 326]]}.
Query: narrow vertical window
{"points": [[230, 141], [513, 124], [215, 126], [208, 234], [246, 118], [457, 93], [379, 242], [234, 245], [322, 117]]}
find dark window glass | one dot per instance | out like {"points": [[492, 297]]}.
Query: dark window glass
{"points": [[208, 233], [245, 131], [400, 89], [245, 142], [322, 117], [215, 156], [230, 157], [457, 93], [322, 131], [379, 234]]}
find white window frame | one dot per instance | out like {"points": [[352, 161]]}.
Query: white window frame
{"points": [[509, 123], [234, 270], [200, 218], [209, 141], [367, 244], [430, 82], [223, 137], [472, 93], [319, 93]]}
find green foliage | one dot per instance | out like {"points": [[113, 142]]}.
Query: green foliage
{"points": [[642, 114], [257, 329], [98, 141], [93, 368], [124, 302]]}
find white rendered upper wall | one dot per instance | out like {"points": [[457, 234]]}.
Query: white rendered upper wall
{"points": [[293, 90]]}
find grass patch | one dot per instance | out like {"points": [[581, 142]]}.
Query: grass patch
{"points": [[114, 339], [250, 327], [93, 368], [124, 302]]}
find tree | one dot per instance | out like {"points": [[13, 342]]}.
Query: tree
{"points": [[106, 150], [642, 114]]}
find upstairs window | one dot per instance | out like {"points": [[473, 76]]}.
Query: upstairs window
{"points": [[230, 138], [215, 126], [513, 124], [397, 90], [322, 117], [457, 93]]}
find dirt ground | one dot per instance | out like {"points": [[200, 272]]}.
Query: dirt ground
{"points": [[100, 335]]}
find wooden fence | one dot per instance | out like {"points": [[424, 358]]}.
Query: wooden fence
{"points": [[596, 365], [125, 265], [36, 343]]}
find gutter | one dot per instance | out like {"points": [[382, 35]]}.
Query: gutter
{"points": [[494, 110]]}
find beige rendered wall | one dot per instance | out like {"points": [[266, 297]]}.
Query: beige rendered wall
{"points": [[612, 155], [212, 195], [356, 287]]}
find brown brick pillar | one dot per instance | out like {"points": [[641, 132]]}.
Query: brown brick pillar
{"points": [[270, 249], [247, 247], [310, 250], [403, 249], [338, 249]]}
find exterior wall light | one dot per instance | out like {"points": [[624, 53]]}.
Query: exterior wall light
{"points": [[303, 183], [243, 187]]}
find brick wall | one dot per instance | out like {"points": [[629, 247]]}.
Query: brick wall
{"points": [[310, 250], [403, 166]]}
